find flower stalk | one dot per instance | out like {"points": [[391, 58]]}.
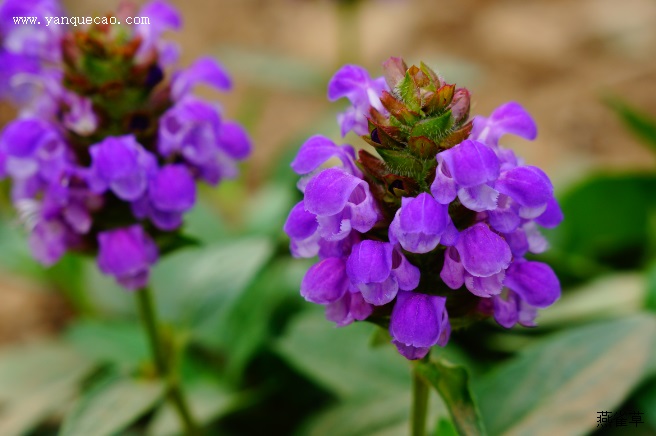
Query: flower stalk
{"points": [[420, 393], [165, 371]]}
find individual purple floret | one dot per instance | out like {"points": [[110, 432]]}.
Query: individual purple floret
{"points": [[435, 228], [127, 254], [110, 142], [418, 322], [354, 83]]}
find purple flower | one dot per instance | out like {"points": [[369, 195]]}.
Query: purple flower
{"points": [[379, 270], [341, 202], [507, 118], [418, 322], [194, 130], [419, 224], [478, 260], [171, 192], [351, 307], [127, 254], [354, 83], [467, 171], [163, 17], [80, 117], [317, 150], [204, 70], [478, 209], [122, 165], [531, 285], [325, 282]]}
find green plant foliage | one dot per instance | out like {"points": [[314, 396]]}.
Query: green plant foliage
{"points": [[112, 406], [557, 385], [37, 380], [121, 343], [640, 124]]}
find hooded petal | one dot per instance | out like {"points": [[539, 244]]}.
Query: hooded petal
{"points": [[417, 319], [407, 275], [527, 185], [552, 216], [317, 150], [127, 254], [329, 191], [419, 223], [325, 282], [300, 223], [534, 282], [453, 273], [443, 188], [173, 189], [471, 163], [234, 140], [483, 252], [370, 262]]}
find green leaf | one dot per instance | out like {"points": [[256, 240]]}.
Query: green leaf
{"points": [[641, 124], [206, 401], [247, 324], [359, 417], [597, 299], [409, 92], [195, 285], [120, 343], [556, 386], [35, 381], [615, 234], [646, 401], [111, 407], [340, 359], [445, 428], [452, 383]]}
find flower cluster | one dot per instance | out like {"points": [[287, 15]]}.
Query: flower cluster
{"points": [[109, 143], [432, 233]]}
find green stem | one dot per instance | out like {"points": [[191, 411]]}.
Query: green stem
{"points": [[420, 393], [174, 391]]}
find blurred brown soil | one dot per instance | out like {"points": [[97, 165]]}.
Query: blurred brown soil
{"points": [[28, 311]]}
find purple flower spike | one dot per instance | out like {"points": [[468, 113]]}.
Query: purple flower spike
{"points": [[127, 254], [419, 223], [341, 202], [122, 165], [163, 17], [317, 150], [419, 321], [379, 271], [508, 118], [204, 70], [467, 171], [534, 282], [354, 83], [325, 282]]}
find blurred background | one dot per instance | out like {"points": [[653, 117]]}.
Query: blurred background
{"points": [[585, 70]]}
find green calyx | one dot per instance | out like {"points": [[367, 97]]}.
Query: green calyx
{"points": [[425, 116]]}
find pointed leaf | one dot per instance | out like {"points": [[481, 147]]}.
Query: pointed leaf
{"points": [[111, 407], [556, 386], [642, 125]]}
